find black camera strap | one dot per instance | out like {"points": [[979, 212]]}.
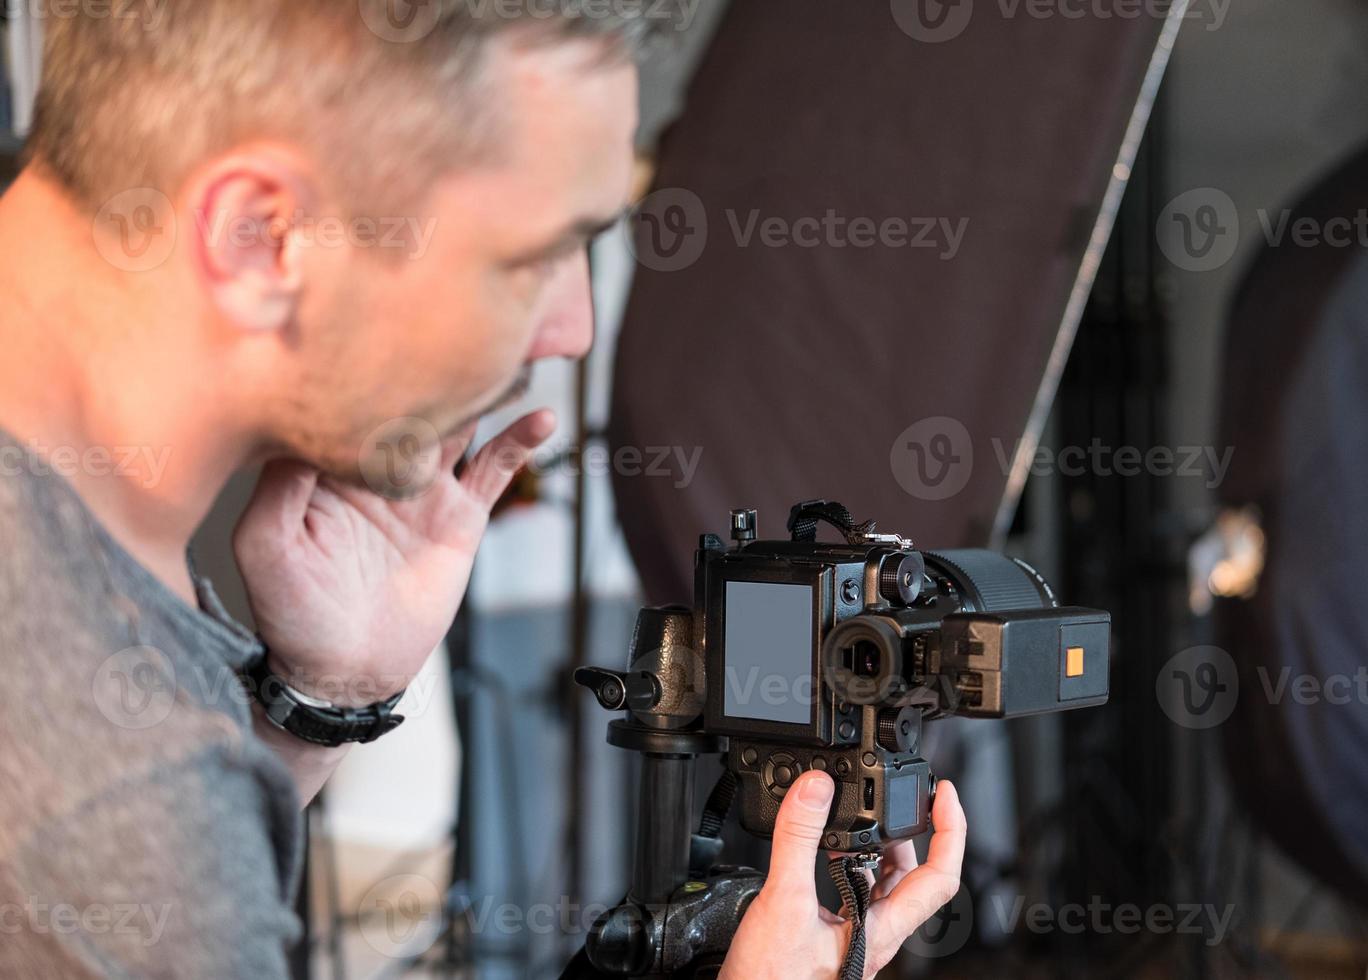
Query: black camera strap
{"points": [[718, 806], [848, 872], [705, 847], [804, 518]]}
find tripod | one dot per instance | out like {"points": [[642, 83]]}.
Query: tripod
{"points": [[681, 912]]}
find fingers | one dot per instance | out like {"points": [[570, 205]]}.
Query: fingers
{"points": [[925, 889], [278, 505], [455, 446], [797, 836], [492, 469], [897, 861]]}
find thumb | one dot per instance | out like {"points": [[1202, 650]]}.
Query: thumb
{"points": [[798, 835]]}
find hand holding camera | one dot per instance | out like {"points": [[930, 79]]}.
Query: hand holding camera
{"points": [[787, 933]]}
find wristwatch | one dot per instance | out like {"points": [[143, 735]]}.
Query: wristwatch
{"points": [[319, 722]]}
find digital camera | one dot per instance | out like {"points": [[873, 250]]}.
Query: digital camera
{"points": [[830, 656], [801, 654]]}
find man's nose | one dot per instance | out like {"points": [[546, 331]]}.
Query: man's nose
{"points": [[567, 328]]}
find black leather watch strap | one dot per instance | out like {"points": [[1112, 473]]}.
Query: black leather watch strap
{"points": [[314, 721]]}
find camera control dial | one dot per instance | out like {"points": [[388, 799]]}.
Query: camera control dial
{"points": [[781, 769]]}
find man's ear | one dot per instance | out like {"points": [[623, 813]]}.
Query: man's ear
{"points": [[250, 214]]}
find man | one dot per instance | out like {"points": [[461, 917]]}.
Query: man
{"points": [[328, 237]]}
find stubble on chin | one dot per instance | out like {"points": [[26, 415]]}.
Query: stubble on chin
{"points": [[516, 391], [399, 458]]}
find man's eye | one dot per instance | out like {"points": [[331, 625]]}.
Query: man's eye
{"points": [[547, 265]]}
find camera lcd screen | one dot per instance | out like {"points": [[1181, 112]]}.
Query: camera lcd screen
{"points": [[768, 652]]}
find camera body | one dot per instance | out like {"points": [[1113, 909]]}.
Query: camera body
{"points": [[830, 656]]}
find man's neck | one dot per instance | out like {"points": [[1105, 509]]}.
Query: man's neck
{"points": [[113, 390]]}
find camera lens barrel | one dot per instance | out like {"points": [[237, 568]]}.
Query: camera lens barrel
{"points": [[990, 582]]}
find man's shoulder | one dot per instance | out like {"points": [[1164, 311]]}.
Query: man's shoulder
{"points": [[74, 602], [110, 681], [45, 531]]}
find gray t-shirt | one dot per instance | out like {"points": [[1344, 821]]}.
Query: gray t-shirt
{"points": [[144, 830]]}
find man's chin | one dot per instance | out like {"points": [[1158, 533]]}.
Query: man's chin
{"points": [[515, 392], [400, 459]]}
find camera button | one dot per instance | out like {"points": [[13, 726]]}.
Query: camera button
{"points": [[781, 769]]}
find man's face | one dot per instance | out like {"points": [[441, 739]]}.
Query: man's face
{"points": [[444, 332]]}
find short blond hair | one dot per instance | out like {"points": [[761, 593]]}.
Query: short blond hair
{"points": [[384, 102]]}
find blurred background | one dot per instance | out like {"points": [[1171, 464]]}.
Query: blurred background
{"points": [[1082, 281]]}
